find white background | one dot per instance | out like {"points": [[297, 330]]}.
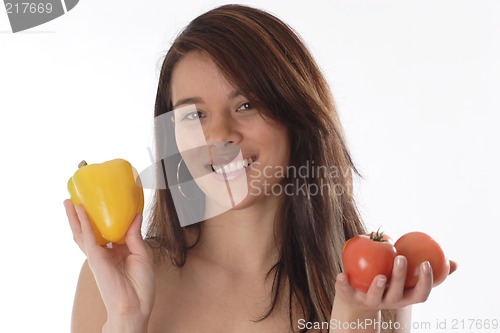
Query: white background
{"points": [[416, 84]]}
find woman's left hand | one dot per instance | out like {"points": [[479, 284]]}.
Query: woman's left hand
{"points": [[351, 304]]}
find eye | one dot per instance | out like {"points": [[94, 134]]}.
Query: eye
{"points": [[192, 115], [244, 107]]}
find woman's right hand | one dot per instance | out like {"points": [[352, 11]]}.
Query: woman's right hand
{"points": [[124, 273]]}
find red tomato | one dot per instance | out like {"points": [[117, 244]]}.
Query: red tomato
{"points": [[366, 256], [418, 247]]}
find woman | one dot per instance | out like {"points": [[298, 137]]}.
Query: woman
{"points": [[267, 256]]}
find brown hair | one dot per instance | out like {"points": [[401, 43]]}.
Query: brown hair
{"points": [[270, 65]]}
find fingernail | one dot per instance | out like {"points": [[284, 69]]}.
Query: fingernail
{"points": [[341, 278], [400, 262], [426, 267], [381, 282]]}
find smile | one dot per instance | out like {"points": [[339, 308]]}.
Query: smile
{"points": [[234, 166]]}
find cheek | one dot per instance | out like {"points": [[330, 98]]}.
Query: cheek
{"points": [[189, 137], [271, 131], [281, 144]]}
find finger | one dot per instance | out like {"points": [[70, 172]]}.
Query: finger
{"points": [[453, 266], [376, 291], [343, 288], [74, 223], [87, 230], [396, 288], [423, 287], [134, 239]]}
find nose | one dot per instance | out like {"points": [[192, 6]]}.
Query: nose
{"points": [[221, 132]]}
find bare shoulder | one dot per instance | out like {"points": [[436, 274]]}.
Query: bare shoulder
{"points": [[89, 313]]}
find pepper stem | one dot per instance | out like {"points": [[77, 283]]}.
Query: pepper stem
{"points": [[82, 164]]}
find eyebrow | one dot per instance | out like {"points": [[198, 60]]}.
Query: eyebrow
{"points": [[199, 100], [189, 100]]}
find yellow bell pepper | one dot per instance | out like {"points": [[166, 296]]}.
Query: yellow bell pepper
{"points": [[111, 194]]}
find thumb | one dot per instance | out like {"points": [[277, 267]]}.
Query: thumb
{"points": [[343, 287], [133, 238]]}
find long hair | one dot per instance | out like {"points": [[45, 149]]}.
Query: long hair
{"points": [[271, 66]]}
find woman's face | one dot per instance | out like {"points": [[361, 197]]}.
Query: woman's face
{"points": [[217, 128]]}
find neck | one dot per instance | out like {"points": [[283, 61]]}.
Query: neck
{"points": [[242, 240]]}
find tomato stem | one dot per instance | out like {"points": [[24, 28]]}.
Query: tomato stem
{"points": [[377, 236]]}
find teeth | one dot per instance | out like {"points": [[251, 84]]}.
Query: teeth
{"points": [[231, 167], [217, 169]]}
